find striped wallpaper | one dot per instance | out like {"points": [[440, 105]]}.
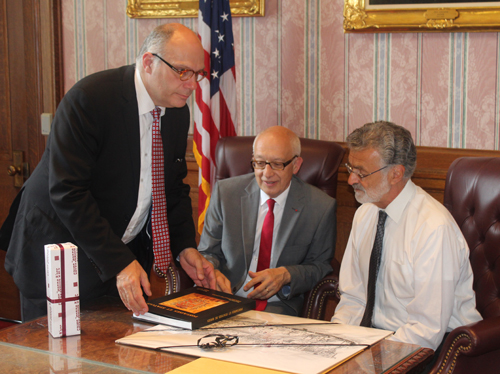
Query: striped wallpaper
{"points": [[295, 67]]}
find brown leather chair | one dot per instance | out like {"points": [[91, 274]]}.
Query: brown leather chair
{"points": [[320, 167], [321, 302], [472, 195]]}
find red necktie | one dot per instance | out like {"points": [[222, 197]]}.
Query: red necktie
{"points": [[159, 223], [266, 244]]}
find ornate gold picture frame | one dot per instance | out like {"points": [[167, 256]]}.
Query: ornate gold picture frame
{"points": [[188, 8], [414, 16]]}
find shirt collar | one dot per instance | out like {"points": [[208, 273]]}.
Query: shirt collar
{"points": [[280, 200], [396, 208], [144, 102]]}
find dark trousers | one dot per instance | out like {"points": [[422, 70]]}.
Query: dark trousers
{"points": [[279, 307], [34, 308], [436, 354], [142, 249]]}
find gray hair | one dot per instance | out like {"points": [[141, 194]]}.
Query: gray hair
{"points": [[393, 142], [156, 41]]}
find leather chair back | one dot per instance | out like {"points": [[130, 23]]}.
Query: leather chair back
{"points": [[472, 195], [320, 167]]}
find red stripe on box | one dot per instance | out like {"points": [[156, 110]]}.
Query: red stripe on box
{"points": [[63, 290], [65, 300]]}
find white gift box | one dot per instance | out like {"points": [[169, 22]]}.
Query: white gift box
{"points": [[63, 296]]}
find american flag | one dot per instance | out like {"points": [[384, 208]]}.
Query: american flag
{"points": [[215, 109]]}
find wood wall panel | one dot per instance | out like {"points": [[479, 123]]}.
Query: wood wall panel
{"points": [[30, 84], [430, 174]]}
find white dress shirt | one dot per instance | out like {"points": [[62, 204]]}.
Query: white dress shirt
{"points": [[145, 106], [278, 214], [424, 285]]}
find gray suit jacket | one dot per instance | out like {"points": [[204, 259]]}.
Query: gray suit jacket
{"points": [[305, 242]]}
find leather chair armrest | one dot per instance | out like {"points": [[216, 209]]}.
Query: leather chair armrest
{"points": [[315, 301], [184, 280], [475, 346], [321, 301], [174, 280]]}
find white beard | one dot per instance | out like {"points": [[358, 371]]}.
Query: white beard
{"points": [[372, 196]]}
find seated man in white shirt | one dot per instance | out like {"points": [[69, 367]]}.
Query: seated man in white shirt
{"points": [[300, 244], [424, 284]]}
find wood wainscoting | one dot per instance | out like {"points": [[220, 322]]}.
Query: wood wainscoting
{"points": [[430, 174]]}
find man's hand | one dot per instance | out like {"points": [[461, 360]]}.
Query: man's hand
{"points": [[223, 284], [199, 269], [129, 282], [271, 281]]}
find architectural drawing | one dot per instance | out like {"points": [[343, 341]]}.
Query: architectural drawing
{"points": [[285, 343]]}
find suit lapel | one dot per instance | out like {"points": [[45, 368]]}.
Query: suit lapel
{"points": [[249, 211], [168, 121], [130, 120], [293, 207]]}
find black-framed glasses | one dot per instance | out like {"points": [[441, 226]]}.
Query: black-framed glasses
{"points": [[350, 169], [274, 165], [185, 74]]}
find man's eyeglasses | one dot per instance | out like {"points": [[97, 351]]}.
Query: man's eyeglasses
{"points": [[359, 175], [273, 165], [185, 74]]}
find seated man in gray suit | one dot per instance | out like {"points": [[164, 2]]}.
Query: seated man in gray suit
{"points": [[272, 262]]}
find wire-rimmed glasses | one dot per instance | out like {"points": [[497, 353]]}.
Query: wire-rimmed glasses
{"points": [[350, 170]]}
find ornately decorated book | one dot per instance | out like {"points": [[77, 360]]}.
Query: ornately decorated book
{"points": [[195, 307]]}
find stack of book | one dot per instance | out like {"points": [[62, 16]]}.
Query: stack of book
{"points": [[194, 308]]}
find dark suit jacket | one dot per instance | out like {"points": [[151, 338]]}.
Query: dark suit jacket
{"points": [[305, 243], [85, 188]]}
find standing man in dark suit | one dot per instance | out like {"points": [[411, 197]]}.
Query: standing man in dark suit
{"points": [[303, 233], [93, 186]]}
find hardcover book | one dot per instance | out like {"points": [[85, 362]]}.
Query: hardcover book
{"points": [[195, 307]]}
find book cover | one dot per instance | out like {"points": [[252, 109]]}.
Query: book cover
{"points": [[195, 307]]}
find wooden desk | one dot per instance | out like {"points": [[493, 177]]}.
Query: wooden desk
{"points": [[29, 347]]}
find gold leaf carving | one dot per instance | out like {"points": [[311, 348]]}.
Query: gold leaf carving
{"points": [[188, 8], [440, 23], [354, 17]]}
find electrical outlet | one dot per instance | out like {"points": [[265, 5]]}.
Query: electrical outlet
{"points": [[46, 123]]}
